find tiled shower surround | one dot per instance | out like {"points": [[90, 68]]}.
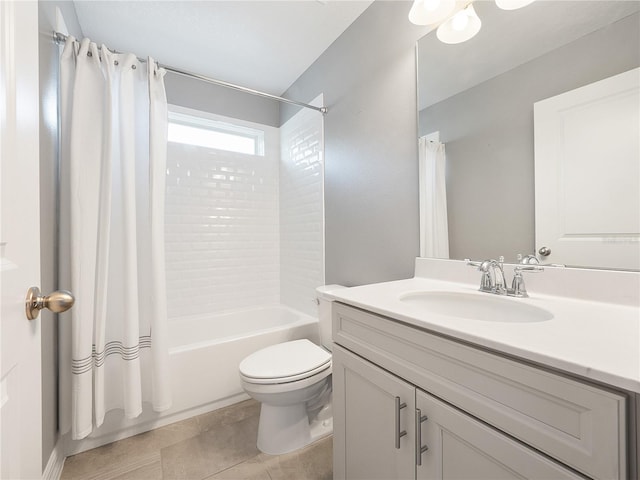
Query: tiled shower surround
{"points": [[301, 210], [245, 230]]}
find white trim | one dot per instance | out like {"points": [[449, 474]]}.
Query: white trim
{"points": [[53, 470], [319, 101]]}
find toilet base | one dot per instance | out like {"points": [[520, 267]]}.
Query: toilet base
{"points": [[284, 429], [322, 425]]}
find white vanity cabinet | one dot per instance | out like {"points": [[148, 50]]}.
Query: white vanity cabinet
{"points": [[486, 416], [382, 422]]}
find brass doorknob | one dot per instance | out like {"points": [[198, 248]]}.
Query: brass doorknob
{"points": [[58, 301]]}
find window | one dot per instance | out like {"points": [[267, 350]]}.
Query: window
{"points": [[204, 131]]}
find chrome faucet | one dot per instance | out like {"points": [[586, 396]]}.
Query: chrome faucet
{"points": [[493, 279]]}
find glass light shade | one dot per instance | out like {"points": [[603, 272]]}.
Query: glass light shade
{"points": [[461, 27], [512, 4], [428, 12]]}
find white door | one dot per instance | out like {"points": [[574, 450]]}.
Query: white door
{"points": [[20, 382], [587, 174]]}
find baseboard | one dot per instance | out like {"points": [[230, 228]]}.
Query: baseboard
{"points": [[53, 470]]}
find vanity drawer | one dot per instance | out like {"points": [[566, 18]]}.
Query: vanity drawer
{"points": [[580, 425]]}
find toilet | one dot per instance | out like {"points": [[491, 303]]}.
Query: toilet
{"points": [[292, 380]]}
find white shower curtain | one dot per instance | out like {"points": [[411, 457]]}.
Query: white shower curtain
{"points": [[113, 161], [434, 225]]}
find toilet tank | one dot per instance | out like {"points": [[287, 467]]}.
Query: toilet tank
{"points": [[324, 313]]}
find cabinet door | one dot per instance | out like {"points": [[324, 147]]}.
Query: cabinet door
{"points": [[369, 442], [461, 447]]}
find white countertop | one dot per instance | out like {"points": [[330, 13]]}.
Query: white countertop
{"points": [[593, 339]]}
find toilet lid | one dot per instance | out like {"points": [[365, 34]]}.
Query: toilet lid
{"points": [[283, 360]]}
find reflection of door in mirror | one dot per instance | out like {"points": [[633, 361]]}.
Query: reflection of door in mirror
{"points": [[587, 174]]}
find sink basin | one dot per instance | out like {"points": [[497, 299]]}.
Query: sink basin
{"points": [[484, 307]]}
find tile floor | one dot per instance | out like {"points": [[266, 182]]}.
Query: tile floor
{"points": [[216, 445]]}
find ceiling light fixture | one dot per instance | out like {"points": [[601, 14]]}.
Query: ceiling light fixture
{"points": [[428, 12], [461, 27], [512, 4]]}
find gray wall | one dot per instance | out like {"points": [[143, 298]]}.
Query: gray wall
{"points": [[368, 77], [488, 132], [48, 59], [199, 95]]}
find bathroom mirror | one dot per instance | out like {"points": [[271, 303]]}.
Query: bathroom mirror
{"points": [[477, 98]]}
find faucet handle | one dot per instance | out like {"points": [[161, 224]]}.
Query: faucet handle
{"points": [[482, 266], [472, 263], [518, 269], [486, 283]]}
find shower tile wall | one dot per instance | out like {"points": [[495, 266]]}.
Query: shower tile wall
{"points": [[301, 210], [222, 228], [245, 231]]}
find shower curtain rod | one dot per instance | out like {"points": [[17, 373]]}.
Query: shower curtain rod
{"points": [[61, 38]]}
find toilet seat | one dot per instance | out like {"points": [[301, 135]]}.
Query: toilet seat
{"points": [[314, 375], [285, 362]]}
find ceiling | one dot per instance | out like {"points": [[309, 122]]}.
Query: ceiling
{"points": [[264, 45], [508, 39]]}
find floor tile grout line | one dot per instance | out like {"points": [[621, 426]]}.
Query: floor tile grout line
{"points": [[232, 466]]}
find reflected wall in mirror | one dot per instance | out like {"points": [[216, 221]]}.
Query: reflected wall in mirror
{"points": [[479, 97]]}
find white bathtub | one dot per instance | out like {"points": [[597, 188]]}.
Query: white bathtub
{"points": [[205, 351], [204, 354]]}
